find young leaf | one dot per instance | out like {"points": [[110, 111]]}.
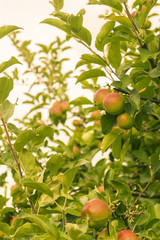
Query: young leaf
{"points": [[7, 29], [93, 73], [27, 229], [145, 10], [121, 19], [81, 101], [105, 31], [6, 85], [114, 54], [23, 138], [45, 224], [41, 187], [58, 24], [7, 64], [85, 35], [68, 178], [113, 4], [57, 4], [93, 59], [75, 22], [8, 110]]}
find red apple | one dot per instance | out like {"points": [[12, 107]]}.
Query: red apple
{"points": [[125, 121], [113, 103], [99, 96], [95, 114], [64, 106], [101, 188], [76, 151], [127, 235], [56, 111], [96, 211]]}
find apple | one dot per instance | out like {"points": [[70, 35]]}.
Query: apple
{"points": [[76, 151], [12, 219], [101, 188], [125, 121], [95, 114], [113, 103], [99, 96], [96, 212], [77, 122], [56, 104], [127, 235], [56, 111], [97, 122], [133, 14], [64, 106]]}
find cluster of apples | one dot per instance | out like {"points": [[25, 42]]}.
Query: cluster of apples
{"points": [[113, 103], [97, 213], [58, 108]]}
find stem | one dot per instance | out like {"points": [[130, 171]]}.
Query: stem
{"points": [[63, 216], [141, 193], [17, 162], [146, 99]]}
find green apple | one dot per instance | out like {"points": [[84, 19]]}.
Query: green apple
{"points": [[125, 121], [96, 212]]}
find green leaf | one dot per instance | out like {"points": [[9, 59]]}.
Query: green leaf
{"points": [[6, 85], [4, 227], [41, 187], [93, 73], [68, 178], [93, 59], [8, 110], [107, 123], [55, 162], [58, 24], [114, 54], [85, 35], [135, 98], [7, 64], [23, 138], [121, 19], [57, 4], [27, 229], [75, 22], [13, 128], [124, 192], [45, 224], [7, 29], [28, 163], [125, 148], [110, 138], [41, 133], [116, 147], [81, 101], [105, 30], [145, 10], [155, 72], [113, 4]]}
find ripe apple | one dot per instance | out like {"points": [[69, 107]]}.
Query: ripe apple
{"points": [[76, 151], [99, 96], [95, 114], [96, 211], [56, 104], [12, 219], [113, 103], [14, 186], [64, 106], [125, 121], [127, 235], [56, 111], [101, 188]]}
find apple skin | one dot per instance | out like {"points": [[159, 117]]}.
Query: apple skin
{"points": [[101, 188], [125, 121], [113, 103], [64, 106], [96, 114], [127, 235], [56, 111], [99, 96], [96, 211], [76, 151]]}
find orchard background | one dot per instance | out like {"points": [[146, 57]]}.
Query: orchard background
{"points": [[82, 167]]}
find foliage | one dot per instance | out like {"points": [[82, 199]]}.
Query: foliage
{"points": [[52, 159]]}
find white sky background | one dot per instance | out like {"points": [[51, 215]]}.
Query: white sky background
{"points": [[28, 14]]}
